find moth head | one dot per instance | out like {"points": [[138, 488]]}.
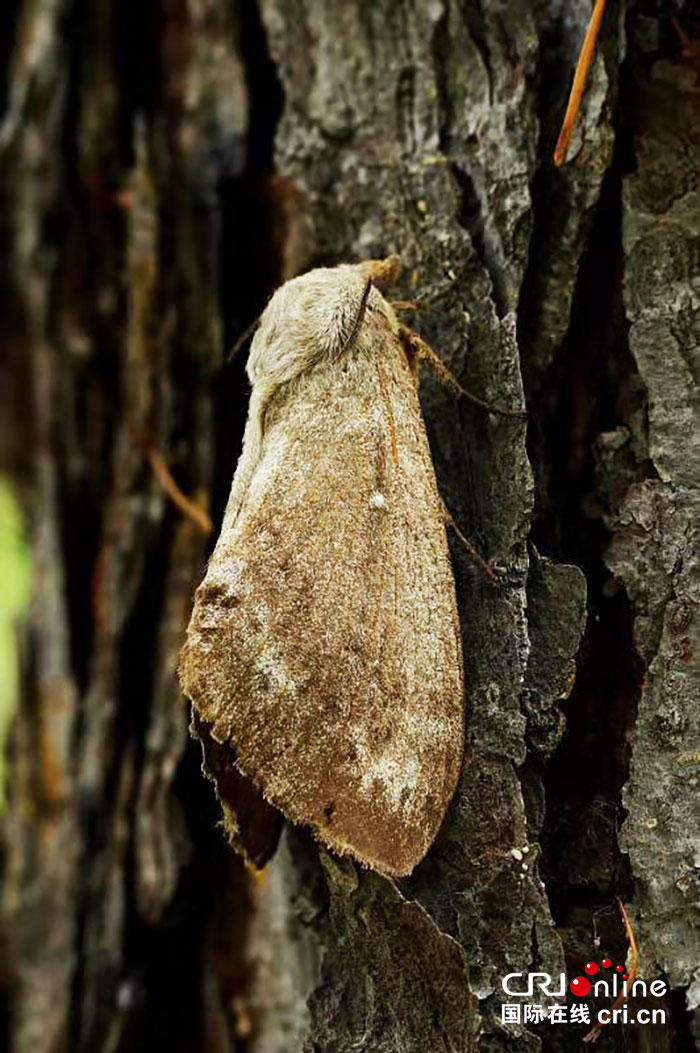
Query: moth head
{"points": [[320, 314]]}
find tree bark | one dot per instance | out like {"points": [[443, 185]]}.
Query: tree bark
{"points": [[164, 168]]}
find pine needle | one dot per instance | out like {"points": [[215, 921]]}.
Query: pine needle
{"points": [[580, 78]]}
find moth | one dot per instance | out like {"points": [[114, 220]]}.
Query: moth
{"points": [[323, 657]]}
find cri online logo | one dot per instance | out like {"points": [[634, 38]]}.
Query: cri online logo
{"points": [[581, 985], [607, 984]]}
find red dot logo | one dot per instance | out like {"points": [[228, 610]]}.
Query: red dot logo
{"points": [[624, 976], [591, 968], [618, 968], [606, 963], [580, 986]]}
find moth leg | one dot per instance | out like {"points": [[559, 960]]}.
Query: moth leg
{"points": [[405, 305], [417, 349], [474, 555], [411, 351]]}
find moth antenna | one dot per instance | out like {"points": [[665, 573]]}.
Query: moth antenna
{"points": [[243, 338], [359, 318], [476, 556], [424, 351], [579, 83]]}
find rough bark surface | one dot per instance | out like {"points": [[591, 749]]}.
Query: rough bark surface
{"points": [[162, 168], [655, 523]]}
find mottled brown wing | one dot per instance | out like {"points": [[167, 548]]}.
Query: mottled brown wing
{"points": [[324, 644]]}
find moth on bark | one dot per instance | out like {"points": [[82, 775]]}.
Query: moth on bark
{"points": [[323, 657]]}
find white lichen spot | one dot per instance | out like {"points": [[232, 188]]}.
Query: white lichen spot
{"points": [[493, 696], [516, 854], [484, 992], [378, 500]]}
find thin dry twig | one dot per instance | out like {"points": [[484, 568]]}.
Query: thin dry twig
{"points": [[683, 37], [579, 83], [593, 1034]]}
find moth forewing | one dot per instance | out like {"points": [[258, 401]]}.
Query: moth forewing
{"points": [[324, 645]]}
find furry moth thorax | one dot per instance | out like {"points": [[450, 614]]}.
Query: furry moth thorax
{"points": [[313, 317]]}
